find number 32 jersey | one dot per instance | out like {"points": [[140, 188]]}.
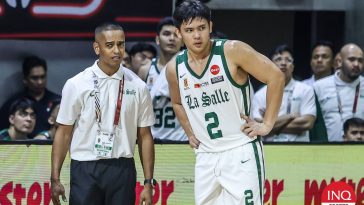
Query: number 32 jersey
{"points": [[213, 101]]}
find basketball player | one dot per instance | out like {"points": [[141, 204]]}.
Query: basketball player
{"points": [[210, 91]]}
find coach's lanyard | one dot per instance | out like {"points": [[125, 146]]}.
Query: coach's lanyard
{"points": [[97, 101], [355, 104]]}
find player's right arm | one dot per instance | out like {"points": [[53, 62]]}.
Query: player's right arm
{"points": [[60, 148], [177, 104]]}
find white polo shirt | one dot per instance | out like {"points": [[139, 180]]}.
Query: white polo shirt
{"points": [[301, 100], [330, 91], [78, 108], [309, 81]]}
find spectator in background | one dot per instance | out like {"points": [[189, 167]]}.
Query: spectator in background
{"points": [[166, 127], [337, 61], [341, 96], [35, 82], [169, 44], [354, 129], [126, 59], [298, 110], [141, 54], [22, 119], [321, 61], [49, 134]]}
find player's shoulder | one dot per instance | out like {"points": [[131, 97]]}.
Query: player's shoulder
{"points": [[236, 47], [172, 64]]}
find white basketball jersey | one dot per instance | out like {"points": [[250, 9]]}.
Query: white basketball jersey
{"points": [[152, 74], [166, 125], [213, 101]]}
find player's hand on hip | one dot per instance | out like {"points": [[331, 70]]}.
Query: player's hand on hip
{"points": [[253, 128], [57, 189], [194, 143]]}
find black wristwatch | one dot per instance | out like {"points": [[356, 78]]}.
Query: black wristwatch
{"points": [[151, 181]]}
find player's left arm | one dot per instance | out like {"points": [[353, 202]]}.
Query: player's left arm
{"points": [[244, 57], [146, 154]]}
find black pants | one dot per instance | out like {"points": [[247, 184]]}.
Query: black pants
{"points": [[103, 182]]}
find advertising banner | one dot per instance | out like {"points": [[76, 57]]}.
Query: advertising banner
{"points": [[296, 174]]}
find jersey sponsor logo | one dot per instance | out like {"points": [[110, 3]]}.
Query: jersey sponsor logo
{"points": [[218, 96], [130, 92], [215, 69], [199, 85], [217, 79], [185, 83], [243, 161], [181, 76]]}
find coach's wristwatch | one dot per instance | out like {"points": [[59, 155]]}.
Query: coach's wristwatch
{"points": [[151, 181]]}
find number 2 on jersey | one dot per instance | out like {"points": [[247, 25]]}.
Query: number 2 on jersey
{"points": [[214, 124]]}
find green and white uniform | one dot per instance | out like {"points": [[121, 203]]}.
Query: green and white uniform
{"points": [[153, 74], [166, 125], [229, 165]]}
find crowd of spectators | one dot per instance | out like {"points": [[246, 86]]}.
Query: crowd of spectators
{"points": [[328, 106]]}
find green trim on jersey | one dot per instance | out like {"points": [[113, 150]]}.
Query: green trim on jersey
{"points": [[247, 110], [185, 58], [178, 61], [154, 63], [257, 160], [242, 87], [227, 71], [263, 160]]}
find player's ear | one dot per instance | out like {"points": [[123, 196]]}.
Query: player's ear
{"points": [[96, 48], [11, 119], [178, 33], [157, 39], [210, 24]]}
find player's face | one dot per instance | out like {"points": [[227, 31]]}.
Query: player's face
{"points": [[168, 41], [284, 61], [355, 133], [196, 34], [126, 60], [110, 47], [36, 81], [352, 63], [23, 121], [321, 60], [140, 59]]}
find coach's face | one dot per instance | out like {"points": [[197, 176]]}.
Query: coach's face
{"points": [[110, 47]]}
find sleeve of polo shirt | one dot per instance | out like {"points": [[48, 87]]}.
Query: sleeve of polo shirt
{"points": [[70, 106], [145, 109], [308, 106]]}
